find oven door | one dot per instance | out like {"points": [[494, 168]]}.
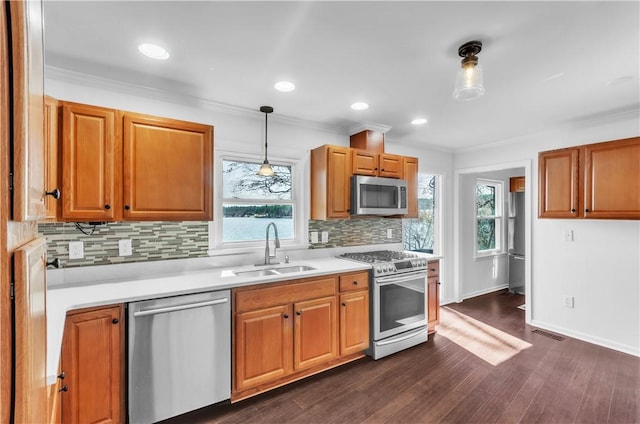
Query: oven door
{"points": [[399, 303]]}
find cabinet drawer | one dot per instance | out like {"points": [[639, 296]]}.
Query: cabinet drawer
{"points": [[434, 268], [265, 297], [356, 281]]}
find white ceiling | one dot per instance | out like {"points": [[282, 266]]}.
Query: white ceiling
{"points": [[546, 64]]}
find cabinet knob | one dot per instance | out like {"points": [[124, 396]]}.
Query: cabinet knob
{"points": [[54, 263], [127, 207], [62, 375], [298, 313], [432, 269], [107, 206], [344, 304], [285, 316], [586, 210], [64, 388], [439, 283], [375, 169], [55, 193], [573, 210], [355, 283], [115, 320]]}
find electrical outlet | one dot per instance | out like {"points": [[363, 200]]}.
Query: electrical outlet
{"points": [[568, 302], [76, 250], [314, 236], [124, 248], [567, 235], [325, 237], [390, 233]]}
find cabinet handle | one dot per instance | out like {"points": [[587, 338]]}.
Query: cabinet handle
{"points": [[285, 316], [298, 313], [54, 263], [344, 304], [573, 210], [355, 283], [107, 206], [64, 388], [127, 207], [62, 375], [55, 193], [115, 320]]}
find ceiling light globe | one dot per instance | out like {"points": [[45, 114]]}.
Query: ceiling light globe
{"points": [[469, 83], [266, 170]]}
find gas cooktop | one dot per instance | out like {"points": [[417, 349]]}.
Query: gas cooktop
{"points": [[388, 262]]}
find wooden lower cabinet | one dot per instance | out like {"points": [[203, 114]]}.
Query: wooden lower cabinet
{"points": [[93, 364], [433, 296], [286, 331]]}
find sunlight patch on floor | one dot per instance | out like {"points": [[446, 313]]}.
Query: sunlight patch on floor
{"points": [[486, 342]]}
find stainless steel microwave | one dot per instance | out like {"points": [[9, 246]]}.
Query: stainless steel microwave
{"points": [[378, 196]]}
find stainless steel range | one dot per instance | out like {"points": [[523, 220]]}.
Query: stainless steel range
{"points": [[398, 300]]}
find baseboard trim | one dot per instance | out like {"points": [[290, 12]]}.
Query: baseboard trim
{"points": [[610, 344], [485, 291]]}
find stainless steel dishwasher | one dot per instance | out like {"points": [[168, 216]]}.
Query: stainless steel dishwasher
{"points": [[179, 355]]}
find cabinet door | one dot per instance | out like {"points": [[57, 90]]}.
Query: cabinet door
{"points": [[90, 163], [612, 180], [363, 162], [263, 346], [168, 169], [354, 322], [516, 184], [433, 303], [52, 180], [410, 173], [558, 186], [315, 332], [338, 183], [92, 359], [390, 166]]}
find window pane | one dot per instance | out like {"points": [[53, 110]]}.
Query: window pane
{"points": [[240, 181], [419, 234], [249, 222], [486, 239], [485, 200]]}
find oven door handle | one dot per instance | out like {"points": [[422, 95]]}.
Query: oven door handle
{"points": [[391, 340], [400, 278]]}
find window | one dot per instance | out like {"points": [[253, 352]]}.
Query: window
{"points": [[488, 217], [422, 233], [250, 202]]}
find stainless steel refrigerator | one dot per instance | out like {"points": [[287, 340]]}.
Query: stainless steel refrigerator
{"points": [[516, 242]]}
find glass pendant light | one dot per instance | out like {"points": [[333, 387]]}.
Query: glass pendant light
{"points": [[469, 80], [266, 170]]}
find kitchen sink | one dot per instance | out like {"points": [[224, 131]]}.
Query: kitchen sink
{"points": [[273, 271]]}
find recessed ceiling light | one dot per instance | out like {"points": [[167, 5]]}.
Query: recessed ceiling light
{"points": [[419, 121], [284, 86], [359, 106], [153, 51]]}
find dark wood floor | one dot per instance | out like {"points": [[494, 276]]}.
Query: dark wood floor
{"points": [[552, 381]]}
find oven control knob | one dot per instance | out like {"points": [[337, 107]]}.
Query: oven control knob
{"points": [[379, 269]]}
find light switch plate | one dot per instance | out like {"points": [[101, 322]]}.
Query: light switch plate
{"points": [[567, 235], [390, 233], [314, 236], [124, 248], [325, 237], [76, 250], [568, 302]]}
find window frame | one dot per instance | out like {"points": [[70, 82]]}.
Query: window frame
{"points": [[437, 220], [498, 217], [217, 245]]}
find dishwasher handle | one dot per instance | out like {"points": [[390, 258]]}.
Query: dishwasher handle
{"points": [[180, 307]]}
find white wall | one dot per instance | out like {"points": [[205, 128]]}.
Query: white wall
{"points": [[601, 268]]}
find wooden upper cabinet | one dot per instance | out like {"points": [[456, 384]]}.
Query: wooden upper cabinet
{"points": [[612, 179], [390, 165], [52, 178], [167, 169], [90, 171], [410, 173], [516, 184], [330, 184], [559, 184], [599, 180], [364, 162]]}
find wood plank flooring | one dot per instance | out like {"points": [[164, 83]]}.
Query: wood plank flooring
{"points": [[551, 381]]}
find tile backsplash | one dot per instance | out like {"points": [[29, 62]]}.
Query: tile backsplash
{"points": [[151, 241], [357, 231]]}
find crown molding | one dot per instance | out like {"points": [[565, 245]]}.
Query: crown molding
{"points": [[373, 126]]}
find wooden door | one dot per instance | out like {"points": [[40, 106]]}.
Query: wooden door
{"points": [[354, 322], [410, 173], [315, 332], [51, 158], [390, 165], [612, 179], [338, 174], [92, 359], [363, 162], [263, 346], [90, 163], [30, 404], [558, 184], [168, 169], [28, 110]]}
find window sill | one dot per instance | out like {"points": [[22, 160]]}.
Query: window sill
{"points": [[489, 255]]}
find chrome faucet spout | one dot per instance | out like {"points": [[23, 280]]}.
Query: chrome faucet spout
{"points": [[267, 250]]}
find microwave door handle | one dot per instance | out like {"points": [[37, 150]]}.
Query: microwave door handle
{"points": [[396, 198]]}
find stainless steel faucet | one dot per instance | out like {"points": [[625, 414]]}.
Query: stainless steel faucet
{"points": [[267, 255]]}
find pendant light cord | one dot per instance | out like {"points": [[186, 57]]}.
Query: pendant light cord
{"points": [[266, 116]]}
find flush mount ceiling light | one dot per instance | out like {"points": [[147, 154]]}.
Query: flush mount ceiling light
{"points": [[285, 86], [266, 170], [153, 51], [469, 80], [419, 121], [360, 106]]}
